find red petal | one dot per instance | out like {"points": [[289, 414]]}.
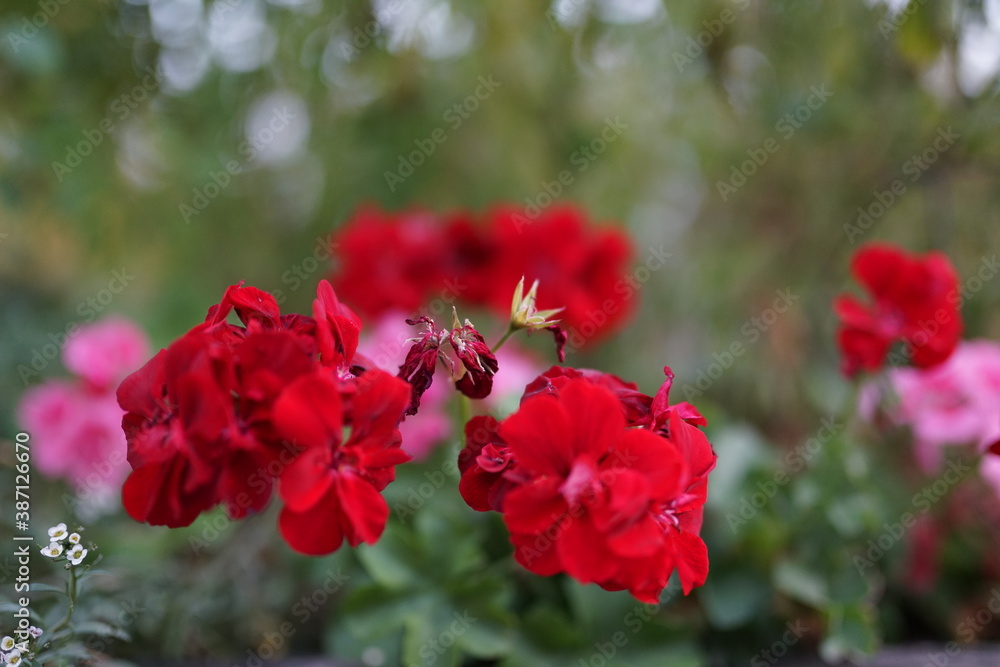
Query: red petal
{"points": [[364, 508], [534, 507], [596, 417], [314, 532], [307, 479], [309, 413], [539, 435], [583, 551], [692, 560]]}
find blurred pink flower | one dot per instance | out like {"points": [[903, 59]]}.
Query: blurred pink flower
{"points": [[76, 435], [385, 345], [954, 403], [75, 425], [105, 352]]}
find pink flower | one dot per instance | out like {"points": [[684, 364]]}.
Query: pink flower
{"points": [[105, 352], [77, 436], [954, 403], [76, 425]]}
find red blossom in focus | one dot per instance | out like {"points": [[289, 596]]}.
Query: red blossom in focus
{"points": [[226, 409], [913, 301], [332, 490], [584, 491]]}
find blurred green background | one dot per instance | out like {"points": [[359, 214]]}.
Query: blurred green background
{"points": [[117, 118], [181, 89]]}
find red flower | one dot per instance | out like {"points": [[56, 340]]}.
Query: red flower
{"points": [[337, 327], [480, 364], [176, 406], [390, 261], [401, 261], [468, 344], [487, 466], [914, 301], [580, 268], [635, 404], [586, 495], [332, 490]]}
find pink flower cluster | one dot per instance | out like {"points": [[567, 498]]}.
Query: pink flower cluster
{"points": [[954, 403], [75, 425]]}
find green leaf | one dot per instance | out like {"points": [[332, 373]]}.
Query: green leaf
{"points": [[101, 629], [390, 562], [731, 599], [852, 633], [47, 588], [801, 584]]}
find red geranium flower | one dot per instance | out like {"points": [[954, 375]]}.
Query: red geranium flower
{"points": [[581, 268], [913, 301], [332, 490], [617, 506], [390, 261], [487, 466]]}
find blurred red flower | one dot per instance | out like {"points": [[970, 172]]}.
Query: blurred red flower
{"points": [[403, 261], [914, 300]]}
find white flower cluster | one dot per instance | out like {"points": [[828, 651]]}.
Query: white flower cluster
{"points": [[12, 653], [74, 551]]}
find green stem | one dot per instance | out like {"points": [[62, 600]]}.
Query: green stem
{"points": [[464, 409], [503, 339], [71, 594]]}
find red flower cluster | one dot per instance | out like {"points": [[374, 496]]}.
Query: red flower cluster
{"points": [[228, 409], [597, 480], [403, 261], [915, 300]]}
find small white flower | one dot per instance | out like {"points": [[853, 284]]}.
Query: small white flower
{"points": [[13, 658], [6, 644], [53, 550], [57, 533], [34, 632], [76, 554], [74, 538]]}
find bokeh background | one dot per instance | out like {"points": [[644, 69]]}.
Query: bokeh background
{"points": [[751, 133]]}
